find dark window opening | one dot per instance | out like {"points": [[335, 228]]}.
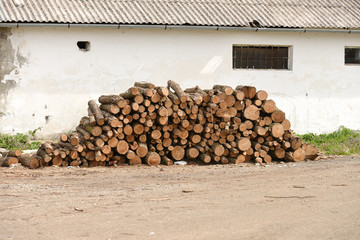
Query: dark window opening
{"points": [[83, 45], [352, 55], [260, 57]]}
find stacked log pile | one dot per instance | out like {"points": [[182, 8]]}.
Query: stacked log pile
{"points": [[149, 124]]}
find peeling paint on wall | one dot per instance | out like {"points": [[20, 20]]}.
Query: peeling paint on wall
{"points": [[7, 65], [10, 61]]}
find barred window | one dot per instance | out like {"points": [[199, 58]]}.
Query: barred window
{"points": [[260, 57], [352, 55]]}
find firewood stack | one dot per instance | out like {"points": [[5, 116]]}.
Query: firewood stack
{"points": [[150, 125]]}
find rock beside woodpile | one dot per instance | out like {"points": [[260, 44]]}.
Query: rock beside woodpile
{"points": [[153, 125]]}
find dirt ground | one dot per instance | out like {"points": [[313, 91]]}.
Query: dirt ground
{"points": [[308, 200]]}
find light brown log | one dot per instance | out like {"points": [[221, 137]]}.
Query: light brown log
{"points": [[226, 89], [178, 91], [156, 134], [252, 112], [43, 155], [30, 161], [130, 155], [57, 161], [152, 159], [144, 84], [244, 144], [83, 132], [138, 129], [166, 161], [142, 150], [100, 120], [93, 130], [311, 152], [92, 118], [163, 91], [109, 99], [237, 160], [261, 95], [279, 153], [178, 153], [14, 153], [192, 153], [74, 139], [260, 130], [286, 124], [111, 108], [122, 147], [218, 149], [135, 161], [295, 142], [269, 106], [138, 99], [249, 91], [277, 116], [277, 130], [130, 93], [205, 158], [64, 137], [106, 149], [7, 161], [128, 130], [298, 155]]}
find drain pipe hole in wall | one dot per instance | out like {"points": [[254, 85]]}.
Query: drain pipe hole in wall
{"points": [[83, 45]]}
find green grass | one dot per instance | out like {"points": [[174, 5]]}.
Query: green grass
{"points": [[18, 141], [341, 142]]}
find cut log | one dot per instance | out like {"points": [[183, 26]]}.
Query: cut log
{"points": [[178, 91], [100, 120], [192, 153], [130, 93], [226, 89], [109, 99], [153, 159], [122, 147], [83, 132], [244, 144], [277, 130], [205, 158], [7, 161], [178, 153], [252, 112], [44, 155], [261, 95], [111, 108], [13, 153], [30, 161], [295, 142], [218, 149], [311, 152], [166, 161], [142, 150], [144, 84], [269, 106], [74, 139], [277, 116]]}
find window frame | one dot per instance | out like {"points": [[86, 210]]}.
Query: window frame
{"points": [[289, 57], [350, 64]]}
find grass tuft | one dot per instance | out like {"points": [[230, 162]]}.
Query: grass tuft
{"points": [[341, 142], [18, 141]]}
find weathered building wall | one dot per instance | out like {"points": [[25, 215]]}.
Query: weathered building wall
{"points": [[46, 80]]}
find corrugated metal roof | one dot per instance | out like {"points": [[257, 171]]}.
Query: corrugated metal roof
{"points": [[269, 13]]}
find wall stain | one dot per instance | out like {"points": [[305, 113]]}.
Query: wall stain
{"points": [[7, 65]]}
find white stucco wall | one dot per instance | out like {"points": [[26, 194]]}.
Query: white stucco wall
{"points": [[55, 79]]}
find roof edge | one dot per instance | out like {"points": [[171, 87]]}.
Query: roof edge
{"points": [[215, 28]]}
